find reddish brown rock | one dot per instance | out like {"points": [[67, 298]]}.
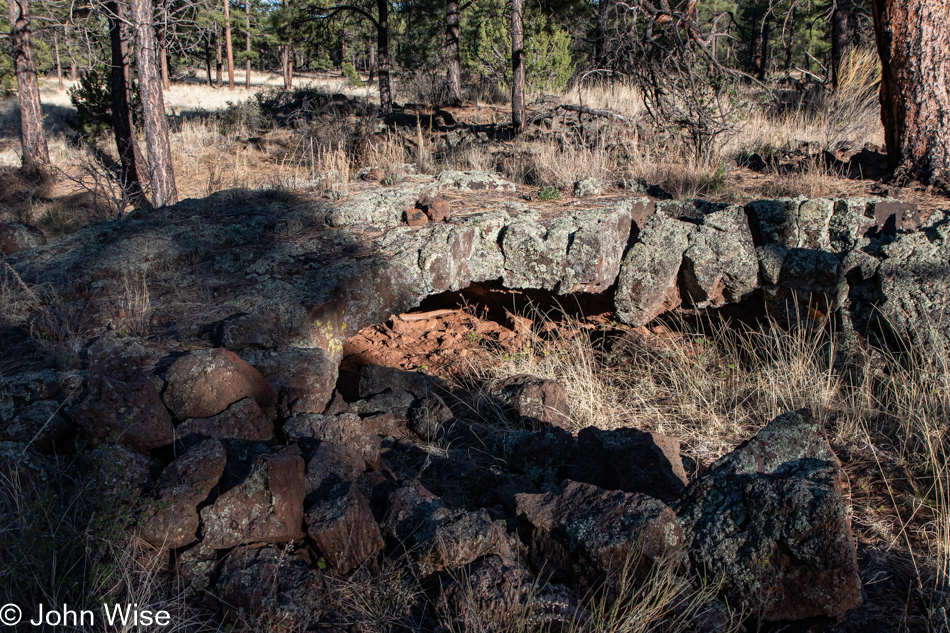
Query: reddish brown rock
{"points": [[124, 404], [416, 217], [206, 382], [303, 378], [541, 401], [582, 530], [171, 520], [268, 586], [771, 519], [630, 460], [438, 210], [438, 537], [893, 215], [342, 526], [243, 420], [346, 430], [16, 237], [267, 506]]}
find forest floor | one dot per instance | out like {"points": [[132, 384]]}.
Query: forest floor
{"points": [[686, 380]]}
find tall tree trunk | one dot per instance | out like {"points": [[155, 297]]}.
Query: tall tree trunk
{"points": [[454, 96], [382, 44], [790, 43], [163, 52], [121, 116], [227, 43], [287, 64], [32, 135], [600, 35], [73, 71], [59, 65], [372, 61], [913, 39], [247, 39], [217, 55], [517, 67], [839, 37], [764, 54], [208, 57], [162, 175]]}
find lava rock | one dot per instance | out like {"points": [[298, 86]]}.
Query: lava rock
{"points": [[243, 420], [124, 401], [171, 520], [580, 530], [630, 460], [771, 519], [438, 537], [265, 584], [647, 284], [16, 237], [542, 401], [267, 506], [206, 382], [304, 379], [342, 526]]}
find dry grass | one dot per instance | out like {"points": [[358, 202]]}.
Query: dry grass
{"points": [[716, 385]]}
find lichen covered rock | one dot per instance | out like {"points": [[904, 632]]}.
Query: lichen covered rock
{"points": [[771, 519]]}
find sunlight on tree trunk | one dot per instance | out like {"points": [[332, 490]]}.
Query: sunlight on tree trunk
{"points": [[454, 96], [162, 175], [913, 39], [32, 135], [227, 43], [517, 67], [121, 116]]}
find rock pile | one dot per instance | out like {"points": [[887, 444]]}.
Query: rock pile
{"points": [[268, 483], [262, 499]]}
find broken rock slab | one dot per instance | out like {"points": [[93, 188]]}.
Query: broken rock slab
{"points": [[124, 402], [265, 507], [771, 519], [442, 538], [272, 588], [171, 519], [585, 532], [342, 526], [204, 383]]}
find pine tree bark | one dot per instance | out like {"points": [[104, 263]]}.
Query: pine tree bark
{"points": [[163, 52], [162, 176], [600, 35], [217, 56], [121, 115], [208, 58], [247, 40], [382, 44], [227, 43], [32, 135], [840, 17], [452, 18], [517, 67], [372, 61], [59, 66], [913, 40]]}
